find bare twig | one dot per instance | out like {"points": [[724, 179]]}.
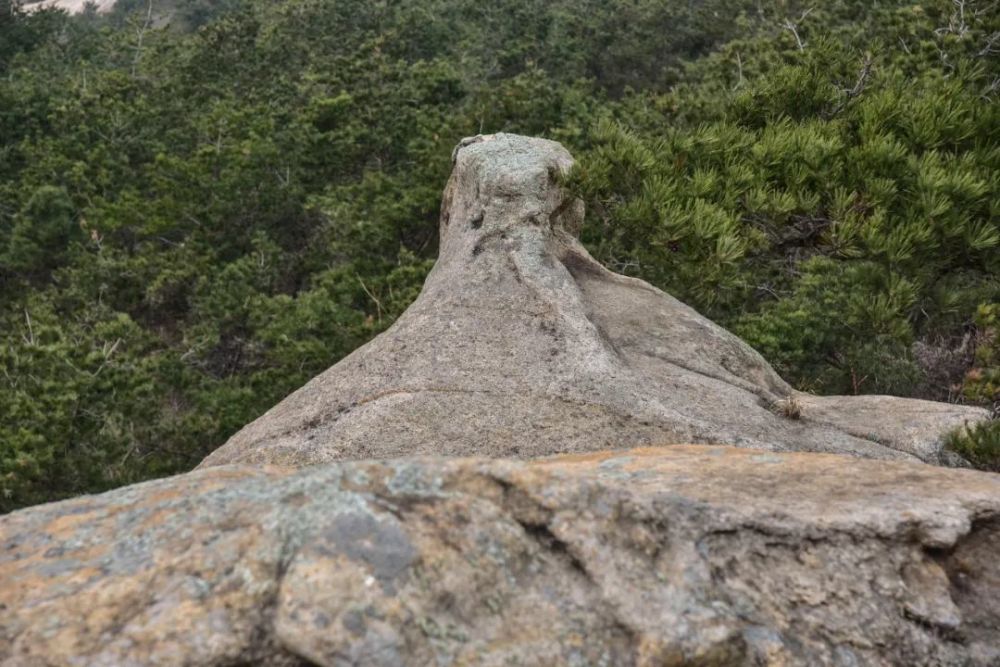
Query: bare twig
{"points": [[285, 178], [956, 22], [990, 47], [140, 34], [793, 27], [30, 340], [945, 61], [960, 15], [983, 10], [107, 352], [991, 89], [769, 290], [856, 382], [739, 69], [859, 85], [378, 304]]}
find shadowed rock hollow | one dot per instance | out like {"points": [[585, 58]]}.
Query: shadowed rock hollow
{"points": [[521, 344], [686, 555]]}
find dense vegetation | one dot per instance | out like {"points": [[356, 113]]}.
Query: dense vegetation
{"points": [[202, 208]]}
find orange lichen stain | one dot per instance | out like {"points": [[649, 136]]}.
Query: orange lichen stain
{"points": [[689, 449], [275, 470], [652, 451], [157, 518], [575, 459], [214, 479], [90, 553], [210, 477], [84, 575], [662, 451], [25, 587], [65, 524]]}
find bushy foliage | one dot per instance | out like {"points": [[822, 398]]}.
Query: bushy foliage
{"points": [[834, 210], [979, 444], [203, 207], [982, 381]]}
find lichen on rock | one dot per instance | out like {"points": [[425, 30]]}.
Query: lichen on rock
{"points": [[684, 555]]}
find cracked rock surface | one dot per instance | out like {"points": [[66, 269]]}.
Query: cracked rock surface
{"points": [[682, 555], [522, 345]]}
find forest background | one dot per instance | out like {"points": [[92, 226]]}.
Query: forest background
{"points": [[205, 203]]}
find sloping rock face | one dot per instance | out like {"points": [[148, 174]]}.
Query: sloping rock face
{"points": [[683, 555], [522, 345], [72, 6]]}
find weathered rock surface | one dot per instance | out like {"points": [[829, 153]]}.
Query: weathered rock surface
{"points": [[522, 345], [693, 555], [71, 6]]}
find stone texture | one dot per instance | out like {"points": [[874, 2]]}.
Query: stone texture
{"points": [[72, 6], [522, 345], [682, 555]]}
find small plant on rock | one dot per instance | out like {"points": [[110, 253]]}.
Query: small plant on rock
{"points": [[787, 407]]}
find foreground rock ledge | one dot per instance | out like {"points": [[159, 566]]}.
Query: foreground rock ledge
{"points": [[522, 345], [693, 555]]}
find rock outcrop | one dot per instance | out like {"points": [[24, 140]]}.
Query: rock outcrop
{"points": [[684, 555], [71, 6], [522, 345]]}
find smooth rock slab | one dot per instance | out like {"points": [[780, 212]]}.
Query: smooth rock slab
{"points": [[522, 345], [682, 555]]}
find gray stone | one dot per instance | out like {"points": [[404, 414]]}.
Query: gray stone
{"points": [[522, 345], [684, 555]]}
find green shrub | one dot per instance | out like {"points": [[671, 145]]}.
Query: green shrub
{"points": [[982, 382], [835, 206], [978, 444]]}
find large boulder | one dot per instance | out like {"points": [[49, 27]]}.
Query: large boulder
{"points": [[522, 345], [683, 555]]}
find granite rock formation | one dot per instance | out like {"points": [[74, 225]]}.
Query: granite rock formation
{"points": [[682, 555], [522, 345]]}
